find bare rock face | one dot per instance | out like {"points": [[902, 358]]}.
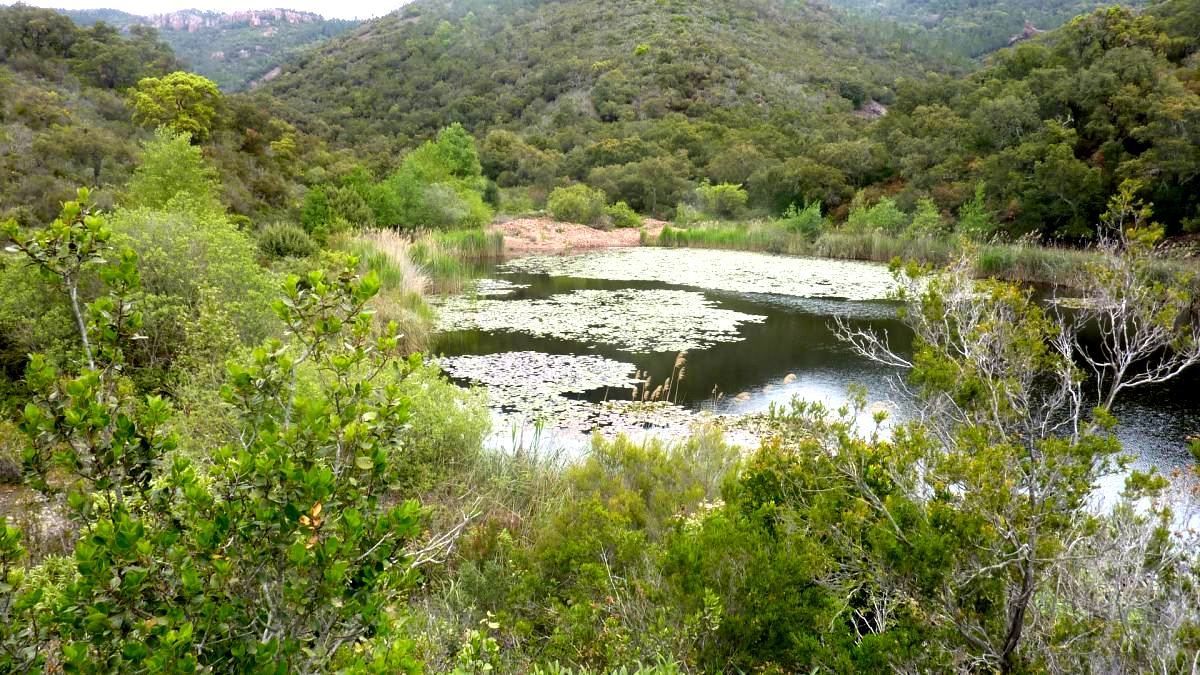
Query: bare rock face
{"points": [[1029, 31], [871, 110], [192, 21]]}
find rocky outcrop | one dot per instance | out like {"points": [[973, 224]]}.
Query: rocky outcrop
{"points": [[192, 20], [1030, 31]]}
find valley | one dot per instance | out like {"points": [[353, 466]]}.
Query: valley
{"points": [[573, 337]]}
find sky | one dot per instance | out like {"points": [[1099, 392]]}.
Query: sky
{"points": [[344, 9]]}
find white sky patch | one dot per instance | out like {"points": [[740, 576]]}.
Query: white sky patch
{"points": [[352, 9]]}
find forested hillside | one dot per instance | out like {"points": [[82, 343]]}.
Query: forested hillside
{"points": [[1051, 127], [790, 101], [235, 50], [976, 28], [676, 81]]}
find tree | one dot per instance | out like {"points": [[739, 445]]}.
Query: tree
{"points": [[286, 553], [1020, 442], [74, 243], [173, 170], [184, 102]]}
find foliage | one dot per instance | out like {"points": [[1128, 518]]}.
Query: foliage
{"points": [[806, 222], [622, 215], [173, 171], [202, 291], [723, 200], [577, 204], [883, 216], [1053, 126], [288, 532], [974, 29], [440, 184], [286, 240], [184, 102]]}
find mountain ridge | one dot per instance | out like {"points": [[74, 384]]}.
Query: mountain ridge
{"points": [[235, 49]]}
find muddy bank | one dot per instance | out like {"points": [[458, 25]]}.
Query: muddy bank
{"points": [[546, 235]]}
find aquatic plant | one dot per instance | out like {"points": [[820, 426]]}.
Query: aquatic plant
{"points": [[639, 321], [734, 271]]}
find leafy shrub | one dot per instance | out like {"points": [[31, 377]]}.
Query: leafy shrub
{"points": [[975, 220], [622, 215], [884, 216], [577, 204], [202, 289], [315, 210], [653, 185], [439, 184], [686, 214], [173, 170], [286, 240], [724, 200], [806, 222], [926, 221]]}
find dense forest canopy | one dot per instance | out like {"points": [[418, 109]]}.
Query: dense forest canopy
{"points": [[977, 28], [644, 100]]}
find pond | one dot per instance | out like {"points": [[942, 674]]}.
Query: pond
{"points": [[571, 340]]}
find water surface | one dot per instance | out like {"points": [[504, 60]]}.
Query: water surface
{"points": [[759, 328]]}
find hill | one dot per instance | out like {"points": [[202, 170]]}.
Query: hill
{"points": [[235, 49], [590, 84], [1053, 127], [975, 28], [66, 121]]}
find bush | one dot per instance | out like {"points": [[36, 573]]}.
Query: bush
{"points": [[285, 240], [806, 222], [315, 211], [975, 220], [884, 216], [927, 220], [203, 288], [723, 200], [173, 170], [623, 216], [577, 204]]}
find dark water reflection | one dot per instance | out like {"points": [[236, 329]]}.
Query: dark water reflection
{"points": [[794, 353]]}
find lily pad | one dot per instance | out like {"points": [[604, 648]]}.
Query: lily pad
{"points": [[733, 271], [637, 321]]}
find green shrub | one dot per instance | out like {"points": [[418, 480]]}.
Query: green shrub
{"points": [[975, 220], [686, 214], [723, 200], [173, 170], [446, 430], [439, 184], [577, 204], [926, 221], [202, 286], [806, 222], [285, 240], [623, 216], [315, 210], [884, 216]]}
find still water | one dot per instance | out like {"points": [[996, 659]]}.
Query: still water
{"points": [[785, 348]]}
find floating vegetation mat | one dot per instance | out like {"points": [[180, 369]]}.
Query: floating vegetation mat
{"points": [[529, 387], [638, 321], [541, 373], [733, 271], [496, 288]]}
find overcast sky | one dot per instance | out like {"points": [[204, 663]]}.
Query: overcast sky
{"points": [[345, 9]]}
